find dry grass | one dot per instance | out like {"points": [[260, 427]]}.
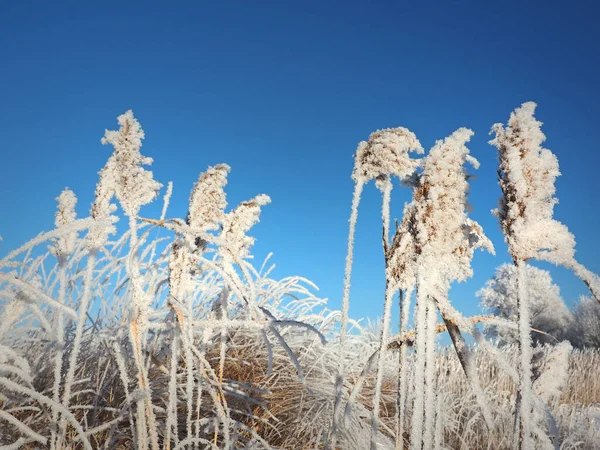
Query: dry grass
{"points": [[287, 413]]}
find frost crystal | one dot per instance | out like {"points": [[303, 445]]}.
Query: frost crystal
{"points": [[65, 214], [401, 256], [554, 373], [527, 175], [445, 238], [123, 173], [166, 200], [208, 200], [386, 154], [102, 208], [547, 309], [234, 242]]}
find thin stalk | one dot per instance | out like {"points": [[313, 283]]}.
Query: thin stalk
{"points": [[404, 303], [171, 424], [467, 362], [387, 313], [147, 420], [589, 278], [416, 435], [339, 382], [430, 391], [526, 353], [81, 319], [60, 341], [358, 188]]}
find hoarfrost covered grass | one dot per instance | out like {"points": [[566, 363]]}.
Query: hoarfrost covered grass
{"points": [[168, 337]]}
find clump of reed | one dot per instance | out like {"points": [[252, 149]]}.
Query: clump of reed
{"points": [[162, 334]]}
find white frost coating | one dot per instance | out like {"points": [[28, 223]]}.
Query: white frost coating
{"points": [[387, 313], [430, 378], [234, 241], [166, 200], [444, 240], [180, 278], [400, 270], [587, 323], [64, 245], [525, 388], [469, 364], [548, 311], [358, 188], [386, 153], [591, 280], [11, 385], [403, 373], [332, 437], [440, 418], [205, 212], [171, 422], [419, 377], [79, 326], [34, 295], [385, 186], [122, 372], [66, 209], [124, 177], [551, 377], [527, 176], [123, 173], [18, 444], [445, 237], [24, 429], [142, 309], [208, 199], [101, 211], [554, 373], [11, 311], [79, 224]]}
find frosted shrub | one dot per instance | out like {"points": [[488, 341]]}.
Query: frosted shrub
{"points": [[585, 328], [550, 317]]}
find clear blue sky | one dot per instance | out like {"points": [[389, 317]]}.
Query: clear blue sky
{"points": [[282, 92]]}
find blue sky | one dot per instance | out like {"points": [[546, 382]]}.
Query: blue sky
{"points": [[283, 92]]}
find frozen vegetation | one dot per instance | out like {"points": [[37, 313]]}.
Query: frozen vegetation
{"points": [[167, 335]]}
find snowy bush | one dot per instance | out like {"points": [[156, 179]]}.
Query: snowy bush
{"points": [[585, 329], [550, 317]]}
